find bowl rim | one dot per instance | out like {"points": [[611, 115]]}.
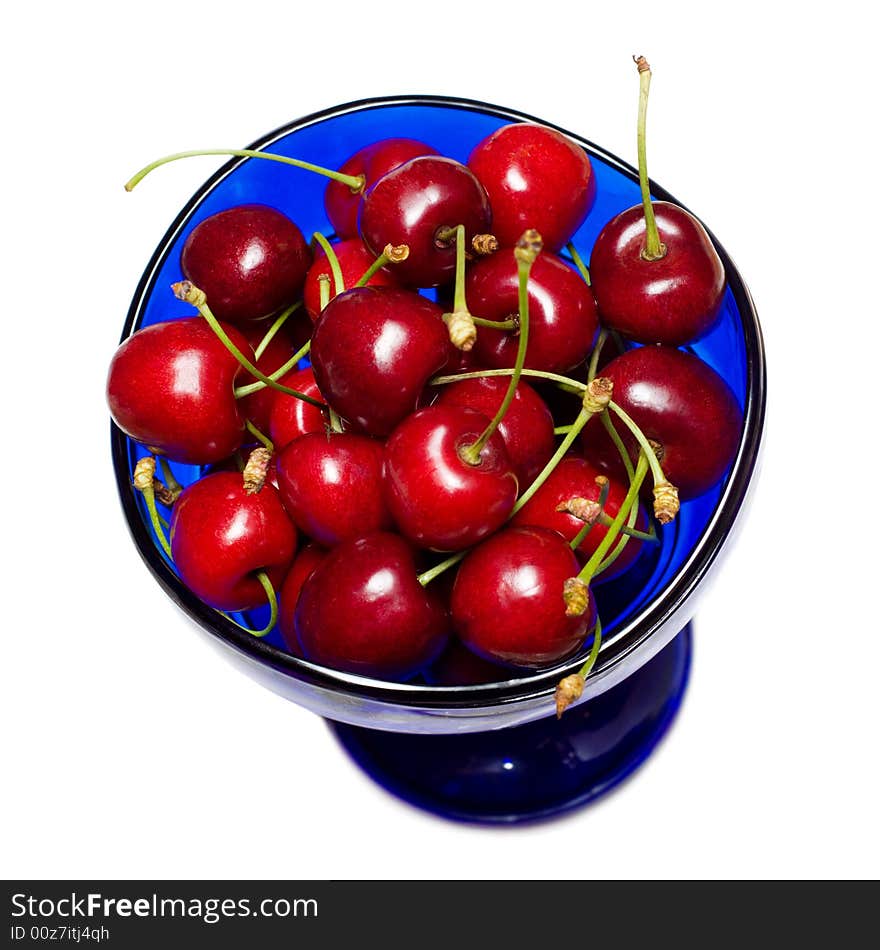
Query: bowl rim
{"points": [[633, 637]]}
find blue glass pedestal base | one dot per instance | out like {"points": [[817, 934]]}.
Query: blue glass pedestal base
{"points": [[537, 770]]}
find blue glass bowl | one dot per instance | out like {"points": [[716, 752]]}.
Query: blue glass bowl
{"points": [[535, 767]]}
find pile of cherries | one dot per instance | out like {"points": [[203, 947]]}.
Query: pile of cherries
{"points": [[424, 440]]}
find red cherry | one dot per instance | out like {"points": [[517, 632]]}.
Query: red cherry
{"points": [[415, 204], [373, 351], [288, 596], [221, 536], [576, 478], [170, 387], [289, 417], [331, 485], [672, 300], [507, 602], [562, 312], [354, 260], [250, 261], [527, 427], [373, 161], [363, 610], [681, 403], [535, 178], [438, 499], [257, 407], [457, 666]]}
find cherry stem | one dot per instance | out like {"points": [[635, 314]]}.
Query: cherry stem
{"points": [[335, 269], [618, 442], [255, 432], [189, 293], [577, 540], [623, 539], [594, 356], [276, 326], [323, 290], [461, 324], [628, 530], [584, 671], [644, 444], [429, 575], [579, 263], [144, 473], [391, 254], [459, 304], [565, 382], [578, 424], [355, 182], [654, 249], [271, 597], [281, 371], [526, 253], [173, 484], [561, 430], [510, 324], [590, 568]]}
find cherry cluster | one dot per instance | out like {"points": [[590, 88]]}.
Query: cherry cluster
{"points": [[424, 439]]}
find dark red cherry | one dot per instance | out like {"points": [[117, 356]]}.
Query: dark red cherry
{"points": [[672, 300], [417, 204], [170, 387], [364, 611], [257, 407], [373, 161], [331, 485], [535, 178], [438, 499], [354, 260], [681, 403], [288, 596], [290, 417], [373, 351], [221, 536], [250, 260], [457, 666], [576, 478], [562, 312], [507, 602], [527, 427]]}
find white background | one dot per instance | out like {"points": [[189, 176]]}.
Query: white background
{"points": [[130, 748]]}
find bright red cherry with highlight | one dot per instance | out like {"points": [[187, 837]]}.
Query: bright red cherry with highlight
{"points": [[170, 387], [288, 596], [331, 485], [575, 477], [672, 300], [250, 260], [354, 260], [535, 178], [290, 417], [420, 204], [563, 319], [527, 427], [364, 611], [680, 403], [507, 601], [438, 499], [373, 351], [222, 536], [373, 162]]}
